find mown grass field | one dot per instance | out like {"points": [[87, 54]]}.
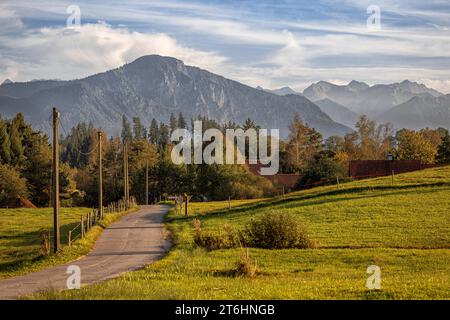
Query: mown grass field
{"points": [[403, 228], [20, 240]]}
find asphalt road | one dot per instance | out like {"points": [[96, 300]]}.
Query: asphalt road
{"points": [[130, 243]]}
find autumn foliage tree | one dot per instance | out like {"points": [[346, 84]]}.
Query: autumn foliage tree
{"points": [[302, 145], [412, 145]]}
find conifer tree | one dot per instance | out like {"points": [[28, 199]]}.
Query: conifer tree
{"points": [[172, 123], [443, 155], [138, 129], [17, 149], [181, 121], [5, 144], [154, 132], [127, 135]]}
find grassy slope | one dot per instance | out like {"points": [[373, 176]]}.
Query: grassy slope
{"points": [[20, 242], [404, 229]]}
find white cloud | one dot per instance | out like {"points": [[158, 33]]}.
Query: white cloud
{"points": [[9, 20], [440, 85], [272, 52], [67, 54]]}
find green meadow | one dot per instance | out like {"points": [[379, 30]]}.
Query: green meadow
{"points": [[402, 227], [20, 243]]}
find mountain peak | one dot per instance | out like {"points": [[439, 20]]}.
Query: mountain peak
{"points": [[283, 91], [7, 81], [154, 87], [324, 83], [154, 59], [357, 85], [410, 84]]}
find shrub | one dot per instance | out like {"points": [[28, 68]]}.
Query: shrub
{"points": [[275, 231], [213, 241]]}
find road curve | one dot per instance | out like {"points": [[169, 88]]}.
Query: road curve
{"points": [[130, 243]]}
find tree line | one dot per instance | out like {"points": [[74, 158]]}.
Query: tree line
{"points": [[25, 159], [306, 152], [26, 164]]}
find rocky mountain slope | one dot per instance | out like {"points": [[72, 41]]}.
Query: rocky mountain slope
{"points": [[153, 87]]}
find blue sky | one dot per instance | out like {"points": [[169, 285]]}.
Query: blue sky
{"points": [[266, 43]]}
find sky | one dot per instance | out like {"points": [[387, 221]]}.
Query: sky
{"points": [[260, 43]]}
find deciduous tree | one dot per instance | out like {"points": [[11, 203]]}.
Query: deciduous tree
{"points": [[411, 145]]}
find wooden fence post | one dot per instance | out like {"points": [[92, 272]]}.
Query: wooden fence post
{"points": [[70, 238], [82, 227], [49, 241], [186, 201]]}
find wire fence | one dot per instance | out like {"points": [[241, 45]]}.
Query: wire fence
{"points": [[95, 216]]}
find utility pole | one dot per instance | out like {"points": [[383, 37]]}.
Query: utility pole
{"points": [[125, 173], [128, 181], [146, 183], [55, 198], [100, 175]]}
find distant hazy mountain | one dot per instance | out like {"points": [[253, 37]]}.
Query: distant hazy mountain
{"points": [[364, 99], [338, 112], [281, 91], [153, 87], [424, 110], [7, 81], [26, 89]]}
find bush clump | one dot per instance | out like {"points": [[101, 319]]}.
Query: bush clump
{"points": [[272, 231], [214, 241], [276, 231]]}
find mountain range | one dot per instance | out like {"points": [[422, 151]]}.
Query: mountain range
{"points": [[338, 112], [406, 104], [281, 91], [424, 110], [364, 99], [154, 87]]}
